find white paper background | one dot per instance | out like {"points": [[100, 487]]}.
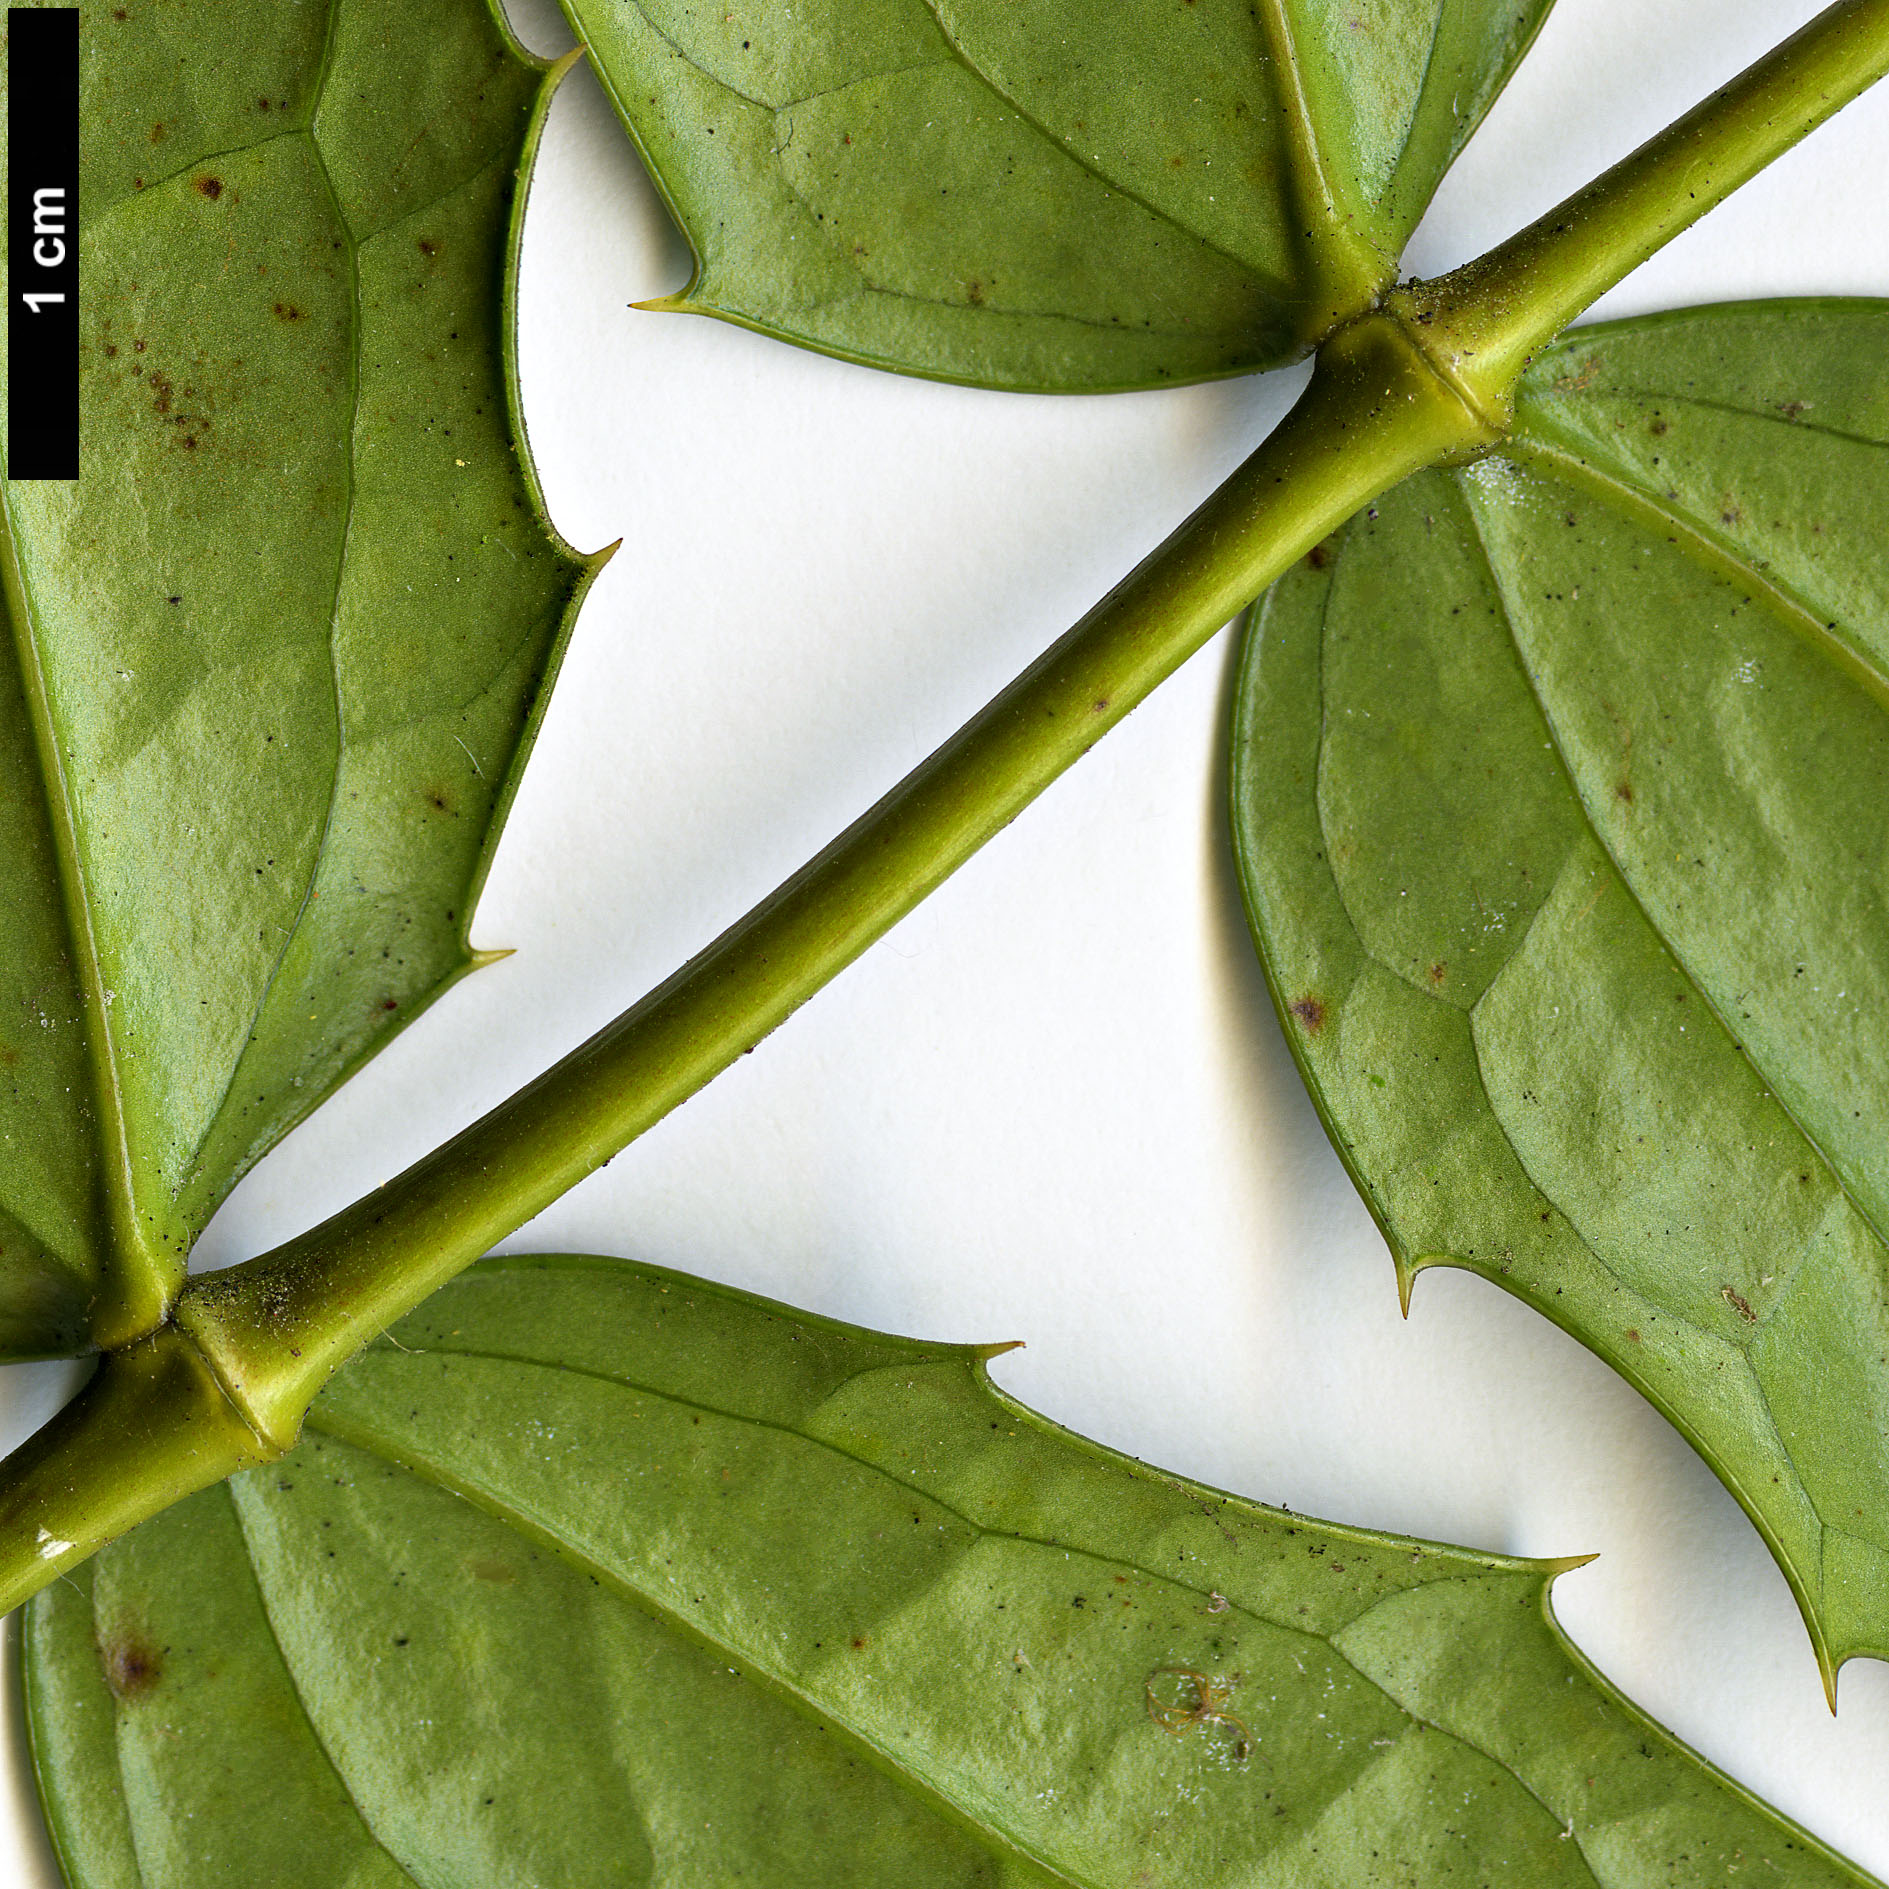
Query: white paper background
{"points": [[1053, 1104]]}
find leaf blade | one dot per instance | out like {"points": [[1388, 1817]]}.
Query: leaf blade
{"points": [[282, 697], [1063, 197], [1067, 1668], [1639, 879]]}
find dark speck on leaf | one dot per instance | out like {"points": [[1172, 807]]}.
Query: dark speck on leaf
{"points": [[132, 1665]]}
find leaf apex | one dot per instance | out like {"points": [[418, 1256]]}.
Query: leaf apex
{"points": [[984, 1353], [479, 960], [676, 304]]}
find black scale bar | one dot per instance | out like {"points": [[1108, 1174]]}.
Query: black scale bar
{"points": [[42, 242]]}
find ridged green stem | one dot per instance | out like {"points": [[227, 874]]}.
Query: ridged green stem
{"points": [[1487, 320], [279, 1325], [1424, 381]]}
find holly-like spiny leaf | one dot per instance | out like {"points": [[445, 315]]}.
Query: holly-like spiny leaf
{"points": [[599, 1575], [1063, 195], [276, 656], [1562, 805]]}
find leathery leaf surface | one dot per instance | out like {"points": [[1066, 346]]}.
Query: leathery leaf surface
{"points": [[602, 1576], [275, 657], [1050, 194], [1563, 809]]}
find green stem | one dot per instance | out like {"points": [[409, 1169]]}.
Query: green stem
{"points": [[279, 1325], [1487, 320], [1425, 381]]}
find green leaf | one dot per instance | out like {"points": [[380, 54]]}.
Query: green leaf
{"points": [[277, 655], [1563, 806], [600, 1575], [1064, 195]]}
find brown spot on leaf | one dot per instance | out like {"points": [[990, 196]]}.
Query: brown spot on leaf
{"points": [[1739, 1304], [1633, 1334], [287, 311], [1319, 556], [428, 247], [1624, 792], [974, 294], [211, 187], [859, 1643], [488, 1567], [1438, 972], [133, 1666], [1309, 1012]]}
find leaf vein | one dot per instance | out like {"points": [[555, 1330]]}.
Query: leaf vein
{"points": [[1089, 166], [295, 1686], [352, 252]]}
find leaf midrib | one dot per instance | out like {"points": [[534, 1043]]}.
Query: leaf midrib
{"points": [[955, 54], [191, 1171], [1721, 560], [1089, 166], [1699, 542], [1619, 1360], [369, 1441], [295, 1688], [365, 1437], [1709, 554], [120, 1251], [1549, 398]]}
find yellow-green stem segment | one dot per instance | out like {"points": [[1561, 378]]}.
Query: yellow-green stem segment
{"points": [[1374, 412], [1424, 381], [1487, 320]]}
